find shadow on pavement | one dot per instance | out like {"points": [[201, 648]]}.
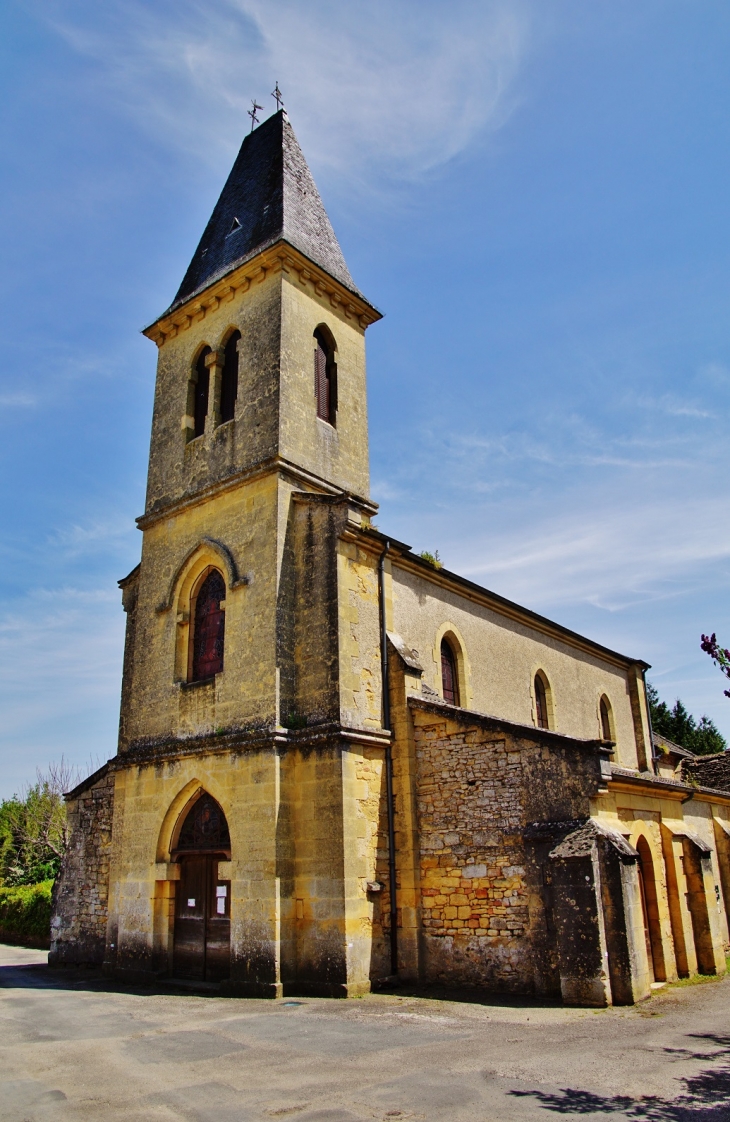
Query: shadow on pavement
{"points": [[40, 976], [706, 1096]]}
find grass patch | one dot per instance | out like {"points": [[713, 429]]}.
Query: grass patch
{"points": [[695, 980]]}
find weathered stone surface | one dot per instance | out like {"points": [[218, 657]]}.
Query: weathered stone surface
{"points": [[81, 892]]}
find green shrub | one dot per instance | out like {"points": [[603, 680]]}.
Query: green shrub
{"points": [[25, 914], [432, 558]]}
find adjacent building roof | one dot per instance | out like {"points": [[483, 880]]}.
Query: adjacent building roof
{"points": [[670, 748], [269, 196], [710, 771]]}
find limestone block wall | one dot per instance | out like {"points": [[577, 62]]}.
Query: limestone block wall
{"points": [[150, 799], [480, 785], [179, 465], [327, 851], [339, 452], [359, 636], [307, 612], [237, 532], [499, 656], [685, 866], [80, 895]]}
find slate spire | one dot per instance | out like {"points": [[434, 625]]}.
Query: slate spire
{"points": [[269, 196]]}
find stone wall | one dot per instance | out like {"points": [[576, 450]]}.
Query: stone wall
{"points": [[481, 784], [80, 895]]}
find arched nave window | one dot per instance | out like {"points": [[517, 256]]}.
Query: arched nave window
{"points": [[542, 701], [209, 624], [606, 722], [449, 675]]}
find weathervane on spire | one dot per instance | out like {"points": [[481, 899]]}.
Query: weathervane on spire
{"points": [[278, 98], [252, 113]]}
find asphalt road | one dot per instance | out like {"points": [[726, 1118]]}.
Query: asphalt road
{"points": [[76, 1048]]}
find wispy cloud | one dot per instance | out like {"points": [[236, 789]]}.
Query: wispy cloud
{"points": [[609, 554], [61, 652], [95, 536], [20, 400], [402, 88]]}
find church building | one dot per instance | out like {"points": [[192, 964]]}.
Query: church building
{"points": [[341, 766]]}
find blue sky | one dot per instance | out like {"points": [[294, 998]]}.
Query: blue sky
{"points": [[536, 195]]}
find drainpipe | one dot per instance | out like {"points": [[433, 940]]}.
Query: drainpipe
{"points": [[388, 767]]}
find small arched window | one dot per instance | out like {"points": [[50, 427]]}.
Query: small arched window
{"points": [[449, 675], [209, 624], [542, 716], [606, 723], [325, 376], [201, 387], [229, 380]]}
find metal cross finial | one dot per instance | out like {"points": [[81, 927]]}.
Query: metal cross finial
{"points": [[278, 98], [252, 113]]}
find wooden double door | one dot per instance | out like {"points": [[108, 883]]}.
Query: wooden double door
{"points": [[202, 946]]}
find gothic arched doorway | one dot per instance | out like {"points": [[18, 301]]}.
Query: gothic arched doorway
{"points": [[202, 945], [650, 908]]}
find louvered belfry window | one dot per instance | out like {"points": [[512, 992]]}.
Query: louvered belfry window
{"points": [[541, 708], [229, 381], [201, 392], [209, 628], [325, 372], [449, 679]]}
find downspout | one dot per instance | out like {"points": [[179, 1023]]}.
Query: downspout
{"points": [[392, 879]]}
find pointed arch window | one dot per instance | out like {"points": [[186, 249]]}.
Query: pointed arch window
{"points": [[209, 624], [229, 379], [449, 675], [200, 393], [325, 376], [542, 715]]}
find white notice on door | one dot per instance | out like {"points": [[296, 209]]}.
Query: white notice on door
{"points": [[191, 903], [221, 890], [220, 906]]}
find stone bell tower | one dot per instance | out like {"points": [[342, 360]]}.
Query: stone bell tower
{"points": [[225, 811], [260, 394]]}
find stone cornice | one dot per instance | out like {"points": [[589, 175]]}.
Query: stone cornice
{"points": [[153, 750], [256, 471], [278, 258]]}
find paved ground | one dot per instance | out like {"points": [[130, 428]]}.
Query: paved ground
{"points": [[72, 1048]]}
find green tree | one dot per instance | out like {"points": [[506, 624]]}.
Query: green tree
{"points": [[677, 724], [33, 828]]}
